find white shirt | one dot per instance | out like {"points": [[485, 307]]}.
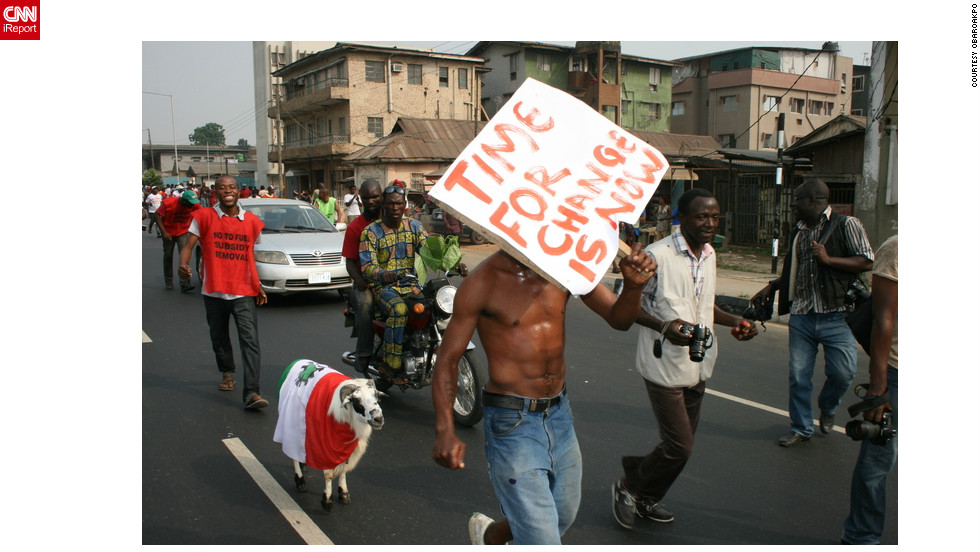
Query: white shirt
{"points": [[354, 209]]}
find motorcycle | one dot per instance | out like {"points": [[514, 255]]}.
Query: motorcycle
{"points": [[428, 317]]}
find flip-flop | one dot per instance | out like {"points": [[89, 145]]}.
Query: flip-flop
{"points": [[227, 384]]}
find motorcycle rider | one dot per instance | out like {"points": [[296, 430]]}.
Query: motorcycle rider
{"points": [[387, 254], [361, 295]]}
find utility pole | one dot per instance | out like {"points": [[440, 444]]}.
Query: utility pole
{"points": [[779, 188], [150, 139]]}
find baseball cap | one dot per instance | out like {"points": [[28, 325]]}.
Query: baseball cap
{"points": [[191, 197]]}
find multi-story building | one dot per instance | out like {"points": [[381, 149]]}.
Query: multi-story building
{"points": [[859, 90], [267, 58], [633, 92], [736, 96], [333, 102]]}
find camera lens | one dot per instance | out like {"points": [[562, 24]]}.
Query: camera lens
{"points": [[859, 430]]}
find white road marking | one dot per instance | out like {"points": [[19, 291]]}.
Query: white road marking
{"points": [[295, 515], [761, 406]]}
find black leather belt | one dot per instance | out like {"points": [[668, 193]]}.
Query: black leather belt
{"points": [[514, 402]]}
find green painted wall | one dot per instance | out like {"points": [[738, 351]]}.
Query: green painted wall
{"points": [[636, 88], [557, 77]]}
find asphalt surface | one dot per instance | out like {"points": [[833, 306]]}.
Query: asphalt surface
{"points": [[739, 488]]}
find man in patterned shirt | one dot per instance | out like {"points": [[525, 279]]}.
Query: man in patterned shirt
{"points": [[387, 254], [827, 252]]}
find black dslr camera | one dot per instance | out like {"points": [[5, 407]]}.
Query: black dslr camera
{"points": [[701, 340], [877, 433], [760, 310]]}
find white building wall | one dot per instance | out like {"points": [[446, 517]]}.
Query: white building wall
{"points": [[262, 82]]}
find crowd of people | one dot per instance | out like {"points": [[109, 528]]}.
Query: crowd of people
{"points": [[668, 291]]}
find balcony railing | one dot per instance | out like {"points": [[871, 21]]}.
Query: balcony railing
{"points": [[322, 85], [310, 142]]}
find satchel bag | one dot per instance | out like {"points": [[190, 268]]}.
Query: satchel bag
{"points": [[862, 317]]}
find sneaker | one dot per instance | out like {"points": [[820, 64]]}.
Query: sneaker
{"points": [[478, 525], [255, 402], [826, 422], [650, 509], [623, 505], [792, 439]]}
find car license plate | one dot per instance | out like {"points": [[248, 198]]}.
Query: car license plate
{"points": [[319, 278]]}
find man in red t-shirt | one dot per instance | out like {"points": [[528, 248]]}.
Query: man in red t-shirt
{"points": [[227, 234], [361, 295], [174, 217]]}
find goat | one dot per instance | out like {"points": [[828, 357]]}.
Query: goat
{"points": [[325, 422]]}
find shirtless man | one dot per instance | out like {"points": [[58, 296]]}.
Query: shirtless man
{"points": [[520, 317]]}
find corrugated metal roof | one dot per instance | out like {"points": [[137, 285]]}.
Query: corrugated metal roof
{"points": [[420, 140], [837, 128], [680, 145]]}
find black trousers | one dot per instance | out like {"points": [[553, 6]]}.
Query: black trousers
{"points": [[678, 410], [243, 310]]}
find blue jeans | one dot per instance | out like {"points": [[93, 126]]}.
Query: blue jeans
{"points": [[243, 310], [363, 302], [536, 470], [806, 333], [866, 521]]}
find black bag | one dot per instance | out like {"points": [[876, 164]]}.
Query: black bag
{"points": [[862, 317]]}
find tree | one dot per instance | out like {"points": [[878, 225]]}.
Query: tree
{"points": [[152, 178], [212, 134], [242, 143]]}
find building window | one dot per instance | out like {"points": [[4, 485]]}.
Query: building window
{"points": [[577, 64], [729, 103], [770, 103], [342, 126], [376, 126], [769, 140], [858, 112], [727, 140], [443, 76], [858, 83], [655, 78], [414, 73], [677, 108], [374, 71], [463, 76], [337, 74], [816, 107], [513, 66], [544, 62], [654, 111], [828, 108], [796, 105], [625, 107]]}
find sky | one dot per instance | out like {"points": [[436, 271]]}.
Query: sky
{"points": [[222, 89]]}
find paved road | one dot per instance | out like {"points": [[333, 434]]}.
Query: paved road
{"points": [[739, 487]]}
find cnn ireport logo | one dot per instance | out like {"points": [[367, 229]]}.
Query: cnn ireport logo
{"points": [[21, 20]]}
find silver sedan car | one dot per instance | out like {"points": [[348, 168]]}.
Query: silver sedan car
{"points": [[300, 249]]}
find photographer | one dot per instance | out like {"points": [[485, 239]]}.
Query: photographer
{"points": [[827, 252], [675, 354], [866, 521]]}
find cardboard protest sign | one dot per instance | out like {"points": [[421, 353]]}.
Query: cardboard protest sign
{"points": [[548, 180]]}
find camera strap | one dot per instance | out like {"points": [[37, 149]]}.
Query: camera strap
{"points": [[870, 401]]}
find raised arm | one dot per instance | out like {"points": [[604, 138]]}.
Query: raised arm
{"points": [[621, 312]]}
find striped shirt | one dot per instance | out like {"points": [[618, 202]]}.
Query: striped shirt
{"points": [[804, 293]]}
